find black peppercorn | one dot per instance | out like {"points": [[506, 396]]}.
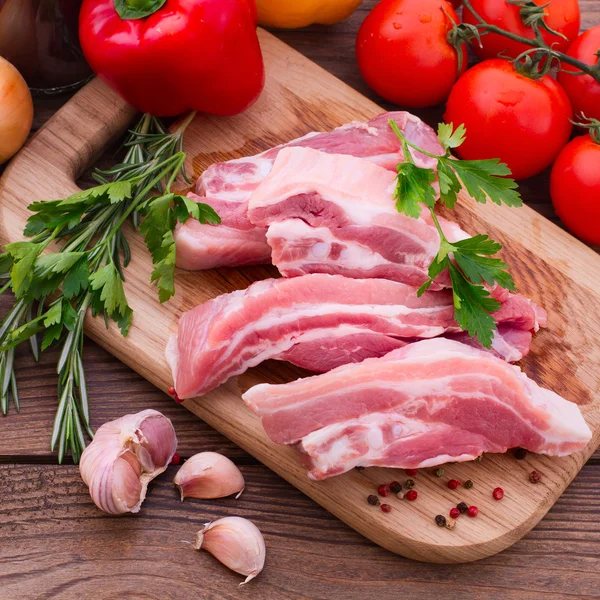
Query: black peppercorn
{"points": [[520, 453], [463, 507], [359, 468], [373, 500], [468, 484], [395, 487], [440, 520], [439, 472], [409, 484]]}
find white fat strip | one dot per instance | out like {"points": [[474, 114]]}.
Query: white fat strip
{"points": [[392, 312], [353, 254]]}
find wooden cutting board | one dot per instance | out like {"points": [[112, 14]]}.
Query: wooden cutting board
{"points": [[549, 266]]}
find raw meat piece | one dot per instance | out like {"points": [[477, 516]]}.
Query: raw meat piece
{"points": [[345, 318], [332, 213], [428, 403], [318, 322], [228, 185]]}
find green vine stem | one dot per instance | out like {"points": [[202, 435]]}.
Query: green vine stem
{"points": [[468, 32]]}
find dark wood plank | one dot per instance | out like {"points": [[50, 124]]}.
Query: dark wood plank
{"points": [[55, 544]]}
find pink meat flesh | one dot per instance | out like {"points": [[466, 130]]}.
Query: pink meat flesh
{"points": [[425, 404], [332, 213], [317, 322], [227, 187]]}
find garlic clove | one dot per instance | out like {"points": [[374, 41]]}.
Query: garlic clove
{"points": [[237, 543], [209, 475], [124, 456]]}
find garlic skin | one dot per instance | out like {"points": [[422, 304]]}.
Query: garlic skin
{"points": [[209, 475], [237, 543], [124, 456]]}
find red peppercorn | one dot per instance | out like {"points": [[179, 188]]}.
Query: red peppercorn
{"points": [[171, 391], [498, 493], [384, 490], [386, 508], [454, 513], [411, 495], [534, 477], [473, 511], [176, 459], [411, 472], [453, 484]]}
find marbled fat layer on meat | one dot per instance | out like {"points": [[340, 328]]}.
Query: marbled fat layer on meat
{"points": [[227, 186], [425, 404], [318, 322]]}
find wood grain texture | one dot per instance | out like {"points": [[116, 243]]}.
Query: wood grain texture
{"points": [[564, 358], [558, 559]]}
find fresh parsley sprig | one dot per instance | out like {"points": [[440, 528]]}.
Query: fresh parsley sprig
{"points": [[54, 291], [471, 262]]}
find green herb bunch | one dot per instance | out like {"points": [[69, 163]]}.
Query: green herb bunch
{"points": [[54, 290], [471, 262]]}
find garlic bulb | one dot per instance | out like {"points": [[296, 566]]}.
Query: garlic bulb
{"points": [[124, 456], [209, 475], [237, 543]]}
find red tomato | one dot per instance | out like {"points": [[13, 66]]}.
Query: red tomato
{"points": [[403, 52], [522, 121], [575, 188], [583, 90], [561, 15]]}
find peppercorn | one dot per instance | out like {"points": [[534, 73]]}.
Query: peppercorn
{"points": [[373, 500], [386, 508], [176, 459], [534, 477], [440, 520], [411, 495], [411, 472], [468, 484], [395, 487], [400, 495], [439, 472], [453, 484], [479, 458], [473, 511], [409, 484], [520, 453], [384, 489], [359, 468], [454, 513], [450, 524], [463, 507], [171, 391], [498, 493]]}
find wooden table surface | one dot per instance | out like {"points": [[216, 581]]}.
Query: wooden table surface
{"points": [[54, 543]]}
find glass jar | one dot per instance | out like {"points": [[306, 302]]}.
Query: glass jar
{"points": [[40, 38]]}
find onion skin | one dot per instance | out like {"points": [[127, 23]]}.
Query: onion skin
{"points": [[16, 110], [124, 457]]}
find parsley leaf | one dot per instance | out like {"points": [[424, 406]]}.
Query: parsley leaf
{"points": [[21, 274], [485, 179], [413, 189], [108, 287], [450, 137], [77, 279]]}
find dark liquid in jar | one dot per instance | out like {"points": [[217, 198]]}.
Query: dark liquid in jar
{"points": [[40, 38]]}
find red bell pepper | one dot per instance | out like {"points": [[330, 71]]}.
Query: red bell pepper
{"points": [[165, 57]]}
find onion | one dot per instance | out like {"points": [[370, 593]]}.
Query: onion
{"points": [[16, 110]]}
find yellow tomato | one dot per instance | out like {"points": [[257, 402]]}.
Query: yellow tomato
{"points": [[291, 14]]}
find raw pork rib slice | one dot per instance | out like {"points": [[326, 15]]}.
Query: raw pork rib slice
{"points": [[228, 185], [317, 321], [332, 213], [425, 404]]}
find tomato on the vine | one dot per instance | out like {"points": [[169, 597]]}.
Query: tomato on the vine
{"points": [[583, 90], [404, 54], [562, 16], [522, 121], [575, 188]]}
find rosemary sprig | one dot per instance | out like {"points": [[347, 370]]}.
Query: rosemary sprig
{"points": [[87, 272], [471, 262]]}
